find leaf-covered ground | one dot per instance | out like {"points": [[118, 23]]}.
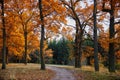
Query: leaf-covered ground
{"points": [[25, 72], [32, 72]]}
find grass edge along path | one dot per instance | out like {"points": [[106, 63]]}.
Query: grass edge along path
{"points": [[25, 72], [88, 73]]}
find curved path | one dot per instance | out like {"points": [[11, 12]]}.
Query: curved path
{"points": [[62, 74]]}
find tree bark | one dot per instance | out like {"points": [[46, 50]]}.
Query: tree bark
{"points": [[78, 41], [111, 52], [42, 36], [4, 38], [6, 55], [76, 48], [80, 47], [111, 44], [96, 61], [25, 46], [88, 61]]}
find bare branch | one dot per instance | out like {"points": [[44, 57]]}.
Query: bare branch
{"points": [[65, 3], [76, 2], [117, 31]]}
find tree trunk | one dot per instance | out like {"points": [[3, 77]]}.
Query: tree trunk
{"points": [[78, 51], [88, 61], [42, 36], [111, 44], [76, 48], [78, 37], [6, 55], [4, 38], [111, 52], [25, 46], [96, 61], [80, 47]]}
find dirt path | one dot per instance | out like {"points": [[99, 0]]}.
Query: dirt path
{"points": [[62, 74]]}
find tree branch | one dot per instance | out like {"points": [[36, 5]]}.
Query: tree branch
{"points": [[76, 2], [117, 23], [117, 31], [106, 10], [103, 8]]}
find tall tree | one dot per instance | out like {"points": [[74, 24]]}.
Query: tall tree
{"points": [[23, 13], [18, 17], [110, 6], [96, 62], [4, 37], [78, 14], [42, 35], [71, 8], [51, 16], [111, 44]]}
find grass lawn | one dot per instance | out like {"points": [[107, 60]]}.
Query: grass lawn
{"points": [[88, 73], [25, 72]]}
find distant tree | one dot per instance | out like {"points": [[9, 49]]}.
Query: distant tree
{"points": [[53, 45], [34, 57], [60, 51], [88, 46]]}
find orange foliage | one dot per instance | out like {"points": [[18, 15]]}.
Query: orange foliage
{"points": [[23, 15], [18, 16]]}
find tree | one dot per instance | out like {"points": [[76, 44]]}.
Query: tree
{"points": [[42, 35], [24, 15], [8, 29], [4, 37], [96, 63], [19, 16], [61, 50], [88, 47], [25, 21], [111, 10], [81, 18], [50, 18]]}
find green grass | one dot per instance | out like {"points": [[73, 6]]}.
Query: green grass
{"points": [[88, 73]]}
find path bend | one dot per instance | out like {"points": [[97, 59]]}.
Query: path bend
{"points": [[61, 73]]}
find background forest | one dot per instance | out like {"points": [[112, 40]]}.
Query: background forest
{"points": [[67, 32]]}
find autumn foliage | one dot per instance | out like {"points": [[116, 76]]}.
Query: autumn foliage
{"points": [[70, 19]]}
